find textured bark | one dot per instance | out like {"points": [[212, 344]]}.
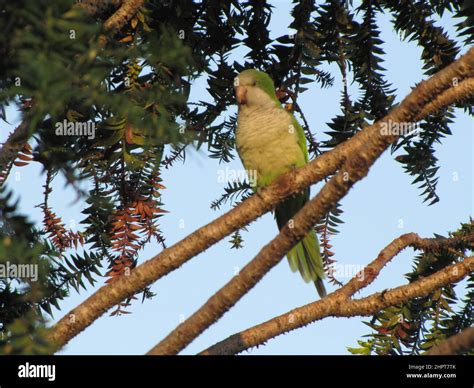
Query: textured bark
{"points": [[124, 12], [457, 344], [10, 149], [95, 7], [122, 16], [337, 305], [356, 154], [357, 162], [371, 271], [449, 96]]}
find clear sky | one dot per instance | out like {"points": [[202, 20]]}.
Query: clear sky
{"points": [[379, 209]]}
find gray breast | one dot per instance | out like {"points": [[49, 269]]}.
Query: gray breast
{"points": [[267, 141]]}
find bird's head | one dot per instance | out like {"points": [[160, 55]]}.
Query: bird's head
{"points": [[255, 88]]}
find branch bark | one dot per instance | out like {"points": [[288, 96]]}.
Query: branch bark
{"points": [[357, 163], [449, 96], [95, 7], [457, 344], [337, 305], [170, 259], [271, 255], [175, 256], [127, 10], [371, 271], [12, 147]]}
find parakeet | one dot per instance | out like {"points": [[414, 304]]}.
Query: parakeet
{"points": [[270, 142]]}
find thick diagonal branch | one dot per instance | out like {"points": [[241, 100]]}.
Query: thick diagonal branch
{"points": [[269, 256], [327, 164], [339, 306], [456, 344], [449, 96], [127, 11], [266, 259], [357, 163]]}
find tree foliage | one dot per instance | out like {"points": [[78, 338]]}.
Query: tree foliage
{"points": [[133, 86], [416, 326]]}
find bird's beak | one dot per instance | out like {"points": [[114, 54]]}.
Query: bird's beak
{"points": [[241, 94]]}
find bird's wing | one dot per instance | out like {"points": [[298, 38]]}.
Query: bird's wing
{"points": [[301, 138]]}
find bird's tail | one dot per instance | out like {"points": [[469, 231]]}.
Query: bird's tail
{"points": [[305, 257]]}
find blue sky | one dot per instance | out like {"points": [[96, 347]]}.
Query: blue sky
{"points": [[379, 209]]}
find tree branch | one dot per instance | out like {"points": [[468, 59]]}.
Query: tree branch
{"points": [[170, 259], [271, 255], [337, 305], [200, 240], [12, 147], [127, 10], [96, 7], [456, 344], [357, 163], [370, 272], [449, 96], [266, 259]]}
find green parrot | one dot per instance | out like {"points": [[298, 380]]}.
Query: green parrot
{"points": [[270, 142]]}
